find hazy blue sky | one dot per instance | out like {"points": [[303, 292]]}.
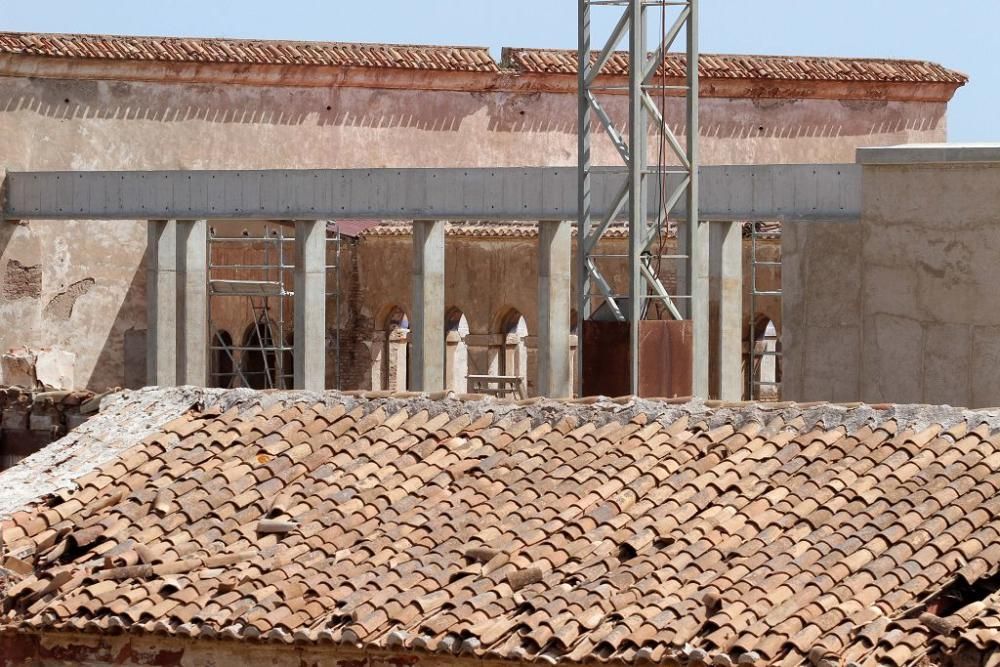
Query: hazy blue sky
{"points": [[961, 34]]}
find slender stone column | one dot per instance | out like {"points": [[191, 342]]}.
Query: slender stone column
{"points": [[310, 304], [192, 302], [161, 303], [427, 321], [727, 288], [555, 252]]}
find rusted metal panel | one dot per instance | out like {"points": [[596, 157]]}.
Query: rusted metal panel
{"points": [[664, 358], [605, 358]]}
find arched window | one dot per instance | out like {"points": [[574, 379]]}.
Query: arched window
{"points": [[511, 357]]}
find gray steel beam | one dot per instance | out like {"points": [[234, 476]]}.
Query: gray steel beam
{"points": [[785, 193], [310, 305], [427, 369], [638, 202], [699, 238], [161, 303], [583, 214]]}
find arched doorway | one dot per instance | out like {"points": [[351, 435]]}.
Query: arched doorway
{"points": [[765, 361], [511, 354]]}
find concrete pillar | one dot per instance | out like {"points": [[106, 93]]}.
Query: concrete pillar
{"points": [[727, 292], [161, 303], [699, 251], [427, 320], [192, 302], [310, 304], [555, 254]]}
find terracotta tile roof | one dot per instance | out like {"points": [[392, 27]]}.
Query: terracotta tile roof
{"points": [[253, 52], [783, 68], [635, 531], [456, 58]]}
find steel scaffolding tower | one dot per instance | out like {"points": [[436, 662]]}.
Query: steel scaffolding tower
{"points": [[647, 94]]}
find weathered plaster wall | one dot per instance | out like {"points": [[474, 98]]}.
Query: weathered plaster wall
{"points": [[903, 307], [91, 294]]}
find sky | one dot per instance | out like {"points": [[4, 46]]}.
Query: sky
{"points": [[961, 34]]}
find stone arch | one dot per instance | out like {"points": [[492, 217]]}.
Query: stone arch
{"points": [[510, 349], [390, 349]]}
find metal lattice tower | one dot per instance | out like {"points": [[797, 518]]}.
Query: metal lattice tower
{"points": [[670, 184]]}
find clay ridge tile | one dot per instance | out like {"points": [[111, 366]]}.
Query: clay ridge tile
{"points": [[259, 52], [722, 66]]}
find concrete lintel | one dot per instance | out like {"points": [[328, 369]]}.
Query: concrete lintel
{"points": [[555, 250], [161, 303], [192, 302], [427, 370], [310, 305], [929, 154], [791, 193]]}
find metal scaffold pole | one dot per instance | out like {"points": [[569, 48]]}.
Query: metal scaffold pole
{"points": [[648, 204]]}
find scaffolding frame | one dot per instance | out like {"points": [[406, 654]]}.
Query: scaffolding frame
{"points": [[268, 293], [760, 232], [645, 286]]}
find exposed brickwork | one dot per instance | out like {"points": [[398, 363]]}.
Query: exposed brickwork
{"points": [[21, 282], [357, 327]]}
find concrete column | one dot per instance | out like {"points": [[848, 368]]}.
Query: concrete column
{"points": [[427, 319], [727, 292], [161, 303], [555, 255], [310, 304], [699, 251], [192, 302]]}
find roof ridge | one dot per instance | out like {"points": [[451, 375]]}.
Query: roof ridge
{"points": [[742, 55], [456, 58], [222, 38]]}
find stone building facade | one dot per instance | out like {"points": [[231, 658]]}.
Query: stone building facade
{"points": [[89, 103]]}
